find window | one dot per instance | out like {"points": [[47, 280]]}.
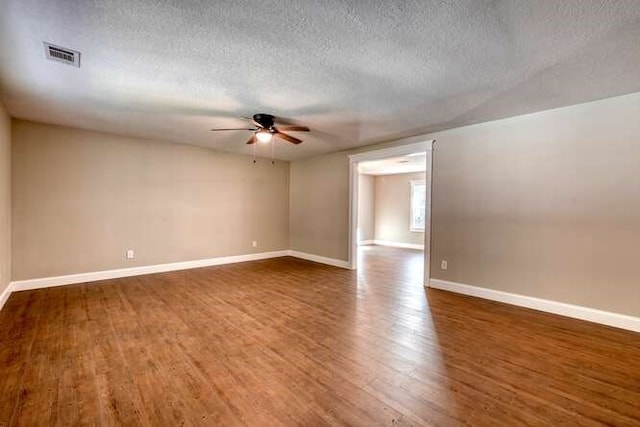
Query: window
{"points": [[418, 205]]}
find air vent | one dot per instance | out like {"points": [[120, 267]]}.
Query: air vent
{"points": [[62, 54]]}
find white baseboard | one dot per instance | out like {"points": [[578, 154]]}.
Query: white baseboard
{"points": [[323, 260], [608, 318], [46, 282], [366, 242], [4, 296], [399, 244]]}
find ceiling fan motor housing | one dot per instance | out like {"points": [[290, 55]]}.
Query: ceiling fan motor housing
{"points": [[265, 120]]}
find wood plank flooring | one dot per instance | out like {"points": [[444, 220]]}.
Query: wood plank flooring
{"points": [[286, 342]]}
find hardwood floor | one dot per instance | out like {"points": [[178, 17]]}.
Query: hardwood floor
{"points": [[290, 342]]}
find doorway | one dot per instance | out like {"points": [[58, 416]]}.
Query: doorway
{"points": [[393, 161]]}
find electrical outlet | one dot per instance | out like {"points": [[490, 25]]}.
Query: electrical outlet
{"points": [[130, 254], [443, 264], [254, 244]]}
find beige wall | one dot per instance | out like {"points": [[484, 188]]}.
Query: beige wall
{"points": [[393, 208], [545, 204], [81, 199], [5, 199], [366, 207], [319, 198], [319, 204]]}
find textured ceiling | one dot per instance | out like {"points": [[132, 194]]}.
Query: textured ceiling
{"points": [[357, 72]]}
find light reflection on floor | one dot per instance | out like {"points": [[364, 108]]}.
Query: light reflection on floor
{"points": [[395, 276]]}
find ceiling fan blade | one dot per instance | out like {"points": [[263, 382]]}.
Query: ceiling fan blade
{"points": [[256, 124], [215, 130], [286, 120], [287, 138], [293, 128], [252, 139]]}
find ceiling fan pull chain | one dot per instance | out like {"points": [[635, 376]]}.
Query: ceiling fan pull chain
{"points": [[273, 152], [254, 153]]}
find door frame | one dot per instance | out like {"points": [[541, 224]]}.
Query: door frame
{"points": [[409, 147]]}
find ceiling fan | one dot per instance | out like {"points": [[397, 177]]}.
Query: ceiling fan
{"points": [[265, 128]]}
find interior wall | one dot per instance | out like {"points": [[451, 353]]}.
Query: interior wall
{"points": [[319, 196], [5, 199], [82, 198], [544, 204], [393, 208], [366, 207]]}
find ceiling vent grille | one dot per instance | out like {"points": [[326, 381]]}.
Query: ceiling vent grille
{"points": [[62, 54]]}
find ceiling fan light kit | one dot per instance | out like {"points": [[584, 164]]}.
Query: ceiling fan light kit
{"points": [[264, 136]]}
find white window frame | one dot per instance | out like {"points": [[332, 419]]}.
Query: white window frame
{"points": [[412, 226]]}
